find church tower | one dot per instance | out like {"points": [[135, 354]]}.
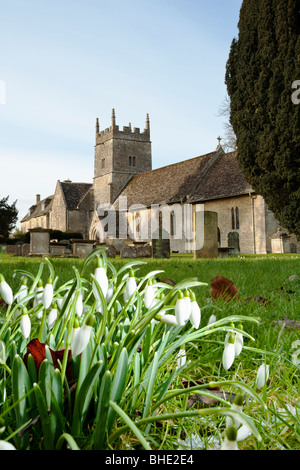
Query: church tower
{"points": [[119, 155]]}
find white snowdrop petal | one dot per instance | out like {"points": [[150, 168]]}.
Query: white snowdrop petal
{"points": [[47, 295], [180, 311], [195, 317], [25, 325], [6, 292], [80, 339], [228, 355]]}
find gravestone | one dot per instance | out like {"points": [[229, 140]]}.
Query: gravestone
{"points": [[81, 249], [160, 244], [206, 230], [280, 242], [234, 243], [39, 242]]}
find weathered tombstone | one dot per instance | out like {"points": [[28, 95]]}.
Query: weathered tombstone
{"points": [[206, 229], [39, 242], [82, 249], [128, 251], [234, 243], [160, 244], [280, 242]]}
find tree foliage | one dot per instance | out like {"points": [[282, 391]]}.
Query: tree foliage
{"points": [[263, 64], [8, 217]]}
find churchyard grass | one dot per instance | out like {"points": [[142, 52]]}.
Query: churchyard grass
{"points": [[148, 405]]}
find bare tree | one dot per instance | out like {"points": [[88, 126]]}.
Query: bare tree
{"points": [[229, 140]]}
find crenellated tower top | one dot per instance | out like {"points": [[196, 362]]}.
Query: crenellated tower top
{"points": [[127, 132], [119, 156]]}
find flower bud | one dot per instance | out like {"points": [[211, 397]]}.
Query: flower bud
{"points": [[262, 375], [25, 324], [48, 294], [130, 286], [5, 291], [229, 352]]}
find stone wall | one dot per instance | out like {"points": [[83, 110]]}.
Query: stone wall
{"points": [[58, 216]]}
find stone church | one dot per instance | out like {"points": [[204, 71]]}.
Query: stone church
{"points": [[123, 174]]}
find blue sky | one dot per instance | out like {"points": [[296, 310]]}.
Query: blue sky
{"points": [[66, 62]]}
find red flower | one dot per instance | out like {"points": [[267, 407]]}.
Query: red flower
{"points": [[37, 350]]}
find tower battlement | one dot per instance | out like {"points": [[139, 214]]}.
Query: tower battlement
{"points": [[114, 131], [119, 156]]}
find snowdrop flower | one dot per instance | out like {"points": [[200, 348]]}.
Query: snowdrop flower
{"points": [[243, 432], [188, 307], [239, 342], [167, 318], [79, 305], [5, 291], [230, 441], [229, 352], [180, 309], [52, 317], [81, 336], [130, 286], [195, 317], [25, 324], [262, 375], [212, 319], [181, 358], [149, 295], [101, 278], [39, 294], [23, 291], [48, 294], [238, 406], [4, 445]]}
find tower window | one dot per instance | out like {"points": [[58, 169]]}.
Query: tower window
{"points": [[131, 161], [103, 163]]}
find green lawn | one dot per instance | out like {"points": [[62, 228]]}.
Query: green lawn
{"points": [[275, 410]]}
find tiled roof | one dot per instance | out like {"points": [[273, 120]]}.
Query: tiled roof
{"points": [[211, 176], [39, 209], [74, 193]]}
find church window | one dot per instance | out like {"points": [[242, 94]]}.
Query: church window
{"points": [[103, 163], [235, 218], [131, 161], [232, 219], [172, 224]]}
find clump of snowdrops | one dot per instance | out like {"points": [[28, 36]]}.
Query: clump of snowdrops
{"points": [[121, 344]]}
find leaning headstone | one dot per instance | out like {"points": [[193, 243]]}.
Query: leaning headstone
{"points": [[160, 244], [234, 243], [39, 242], [206, 230]]}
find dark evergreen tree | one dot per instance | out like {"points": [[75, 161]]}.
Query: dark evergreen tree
{"points": [[8, 217], [263, 64]]}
